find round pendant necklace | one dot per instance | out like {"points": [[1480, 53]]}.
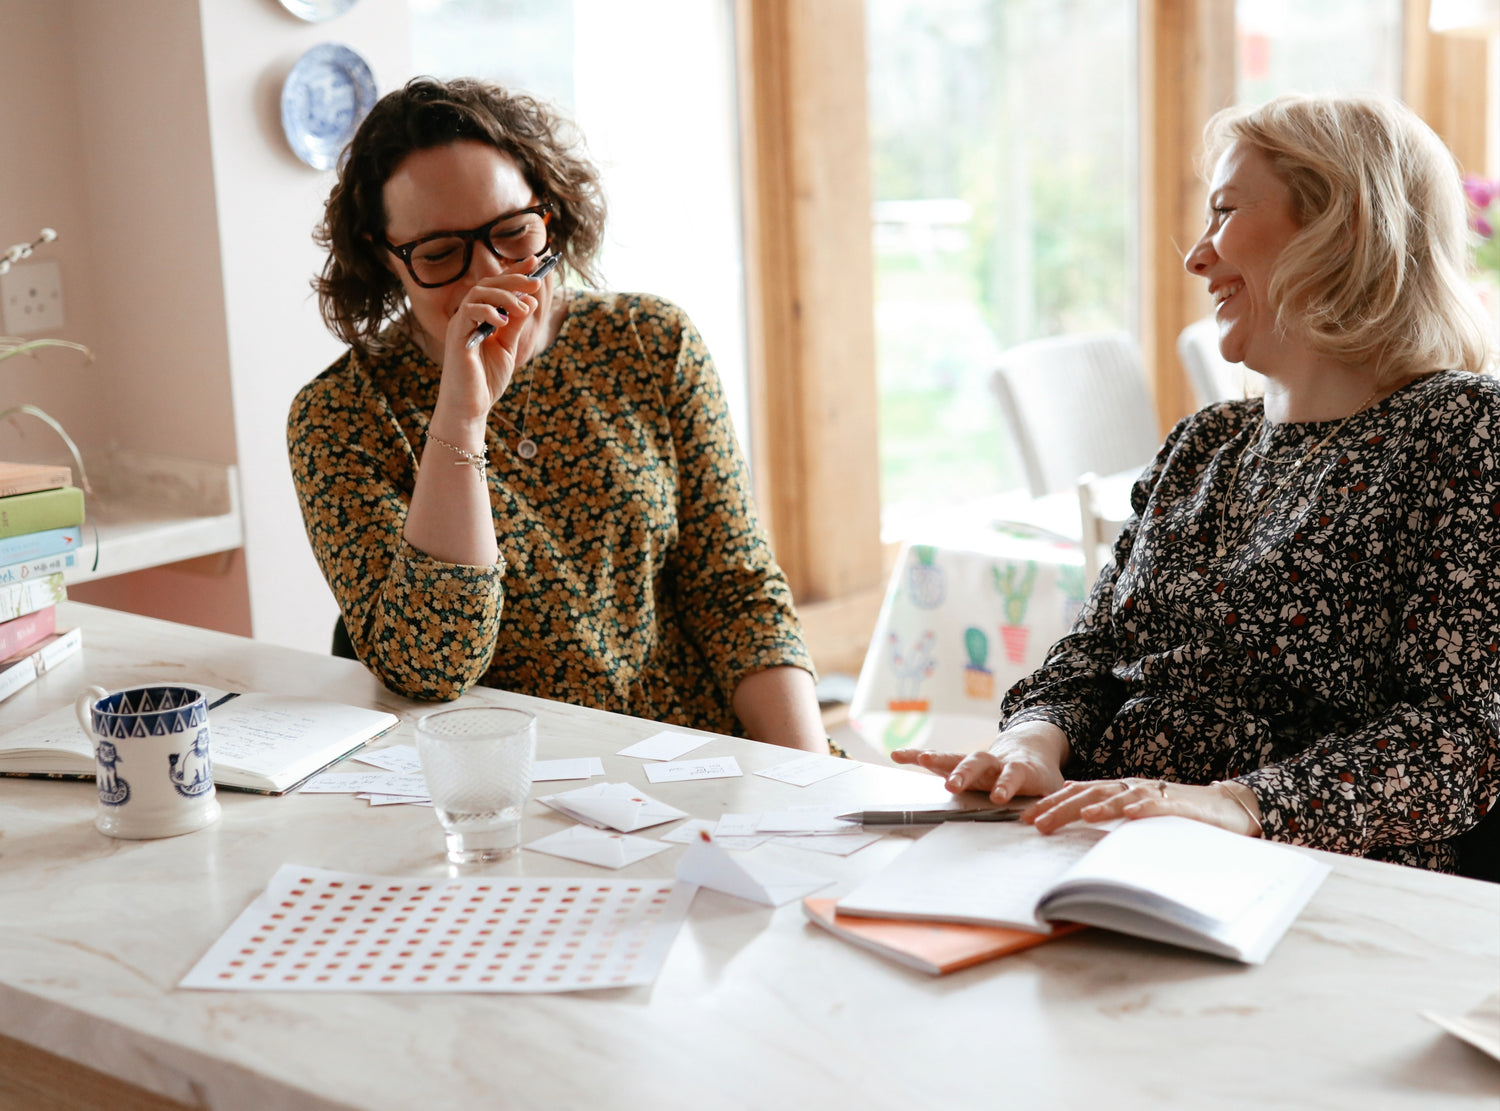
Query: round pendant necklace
{"points": [[1259, 506], [525, 446]]}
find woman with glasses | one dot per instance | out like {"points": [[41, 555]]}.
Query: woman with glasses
{"points": [[513, 483]]}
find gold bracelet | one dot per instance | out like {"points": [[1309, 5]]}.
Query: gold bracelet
{"points": [[468, 458], [1224, 786]]}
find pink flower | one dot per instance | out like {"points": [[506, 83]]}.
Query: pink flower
{"points": [[1485, 229], [1481, 191]]}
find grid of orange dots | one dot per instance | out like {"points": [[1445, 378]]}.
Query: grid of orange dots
{"points": [[432, 936]]}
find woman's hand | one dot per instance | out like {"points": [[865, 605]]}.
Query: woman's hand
{"points": [[1026, 759], [475, 378], [1103, 800]]}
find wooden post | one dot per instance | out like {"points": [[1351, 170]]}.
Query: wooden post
{"points": [[810, 297], [1187, 74]]}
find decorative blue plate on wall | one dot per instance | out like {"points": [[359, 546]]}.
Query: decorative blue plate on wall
{"points": [[329, 91], [315, 11]]}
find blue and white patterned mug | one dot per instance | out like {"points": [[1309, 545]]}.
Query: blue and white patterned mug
{"points": [[151, 757]]}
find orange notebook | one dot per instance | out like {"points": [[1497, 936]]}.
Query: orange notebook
{"points": [[932, 947]]}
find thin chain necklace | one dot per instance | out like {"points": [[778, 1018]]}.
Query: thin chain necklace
{"points": [[525, 447], [1263, 502]]}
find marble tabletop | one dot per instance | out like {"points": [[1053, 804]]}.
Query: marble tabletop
{"points": [[754, 1007]]}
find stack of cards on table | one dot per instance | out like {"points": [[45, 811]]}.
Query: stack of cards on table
{"points": [[41, 519]]}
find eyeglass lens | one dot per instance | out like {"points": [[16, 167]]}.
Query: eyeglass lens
{"points": [[445, 260]]}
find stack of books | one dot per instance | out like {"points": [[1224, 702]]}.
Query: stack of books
{"points": [[41, 537]]}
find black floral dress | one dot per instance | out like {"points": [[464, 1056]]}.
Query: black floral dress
{"points": [[638, 579], [1320, 624]]}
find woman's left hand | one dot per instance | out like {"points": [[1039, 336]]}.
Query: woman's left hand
{"points": [[1103, 800]]}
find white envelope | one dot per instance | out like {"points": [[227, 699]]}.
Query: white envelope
{"points": [[613, 806], [760, 881], [688, 831], [595, 846]]}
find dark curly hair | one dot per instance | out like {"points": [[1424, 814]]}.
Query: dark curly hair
{"points": [[357, 294]]}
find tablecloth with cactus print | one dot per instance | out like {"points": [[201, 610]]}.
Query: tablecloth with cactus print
{"points": [[961, 622]]}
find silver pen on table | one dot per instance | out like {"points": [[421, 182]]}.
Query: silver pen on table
{"points": [[485, 331], [931, 817]]}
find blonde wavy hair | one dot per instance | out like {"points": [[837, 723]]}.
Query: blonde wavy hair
{"points": [[1378, 273]]}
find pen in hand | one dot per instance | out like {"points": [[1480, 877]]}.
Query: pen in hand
{"points": [[485, 331]]}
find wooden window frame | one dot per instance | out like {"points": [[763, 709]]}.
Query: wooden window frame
{"points": [[809, 262]]}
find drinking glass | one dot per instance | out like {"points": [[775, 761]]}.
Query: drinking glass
{"points": [[477, 761]]}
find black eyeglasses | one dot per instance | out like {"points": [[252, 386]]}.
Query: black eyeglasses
{"points": [[444, 257]]}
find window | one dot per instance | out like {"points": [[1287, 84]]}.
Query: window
{"points": [[1004, 160], [1316, 46], [651, 84]]}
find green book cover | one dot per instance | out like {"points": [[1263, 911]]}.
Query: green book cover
{"points": [[45, 509]]}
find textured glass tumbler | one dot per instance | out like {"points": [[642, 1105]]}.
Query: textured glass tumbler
{"points": [[477, 761]]}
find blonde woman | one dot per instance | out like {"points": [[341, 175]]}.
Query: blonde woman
{"points": [[1300, 637]]}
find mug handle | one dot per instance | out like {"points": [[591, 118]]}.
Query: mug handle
{"points": [[84, 704]]}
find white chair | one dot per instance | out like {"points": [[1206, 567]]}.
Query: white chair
{"points": [[1075, 405], [1213, 377], [1099, 530]]}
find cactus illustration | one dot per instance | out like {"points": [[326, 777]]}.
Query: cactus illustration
{"points": [[1014, 582], [911, 668], [979, 681], [1074, 592], [902, 729], [924, 578]]}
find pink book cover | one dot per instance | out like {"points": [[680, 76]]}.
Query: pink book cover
{"points": [[21, 633]]}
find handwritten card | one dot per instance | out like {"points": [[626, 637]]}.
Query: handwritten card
{"points": [[710, 767], [360, 783], [597, 846], [666, 745], [809, 769], [396, 758], [689, 831], [316, 930]]}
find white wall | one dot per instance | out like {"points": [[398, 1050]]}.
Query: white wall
{"points": [[267, 205]]}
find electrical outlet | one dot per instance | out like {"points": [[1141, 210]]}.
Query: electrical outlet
{"points": [[32, 295]]}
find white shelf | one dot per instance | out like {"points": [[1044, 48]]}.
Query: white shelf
{"points": [[151, 510]]}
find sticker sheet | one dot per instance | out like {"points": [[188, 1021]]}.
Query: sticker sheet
{"points": [[317, 930]]}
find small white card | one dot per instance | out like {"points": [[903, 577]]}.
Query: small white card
{"points": [[366, 783], [709, 767], [578, 767], [761, 881], [809, 769], [666, 745], [597, 846], [803, 819], [396, 800], [839, 844], [396, 758], [737, 825], [615, 805], [688, 832]]}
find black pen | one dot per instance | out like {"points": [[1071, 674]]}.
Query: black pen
{"points": [[485, 331], [931, 817]]}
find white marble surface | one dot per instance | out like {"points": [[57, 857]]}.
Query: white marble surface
{"points": [[753, 1009]]}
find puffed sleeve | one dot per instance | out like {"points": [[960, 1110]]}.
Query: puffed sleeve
{"points": [[425, 628], [740, 614], [1426, 768], [1075, 689]]}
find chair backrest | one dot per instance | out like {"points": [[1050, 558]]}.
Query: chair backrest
{"points": [[1098, 531], [1213, 377], [1075, 404]]}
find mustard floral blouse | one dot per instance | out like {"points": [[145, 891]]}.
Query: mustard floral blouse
{"points": [[636, 577]]}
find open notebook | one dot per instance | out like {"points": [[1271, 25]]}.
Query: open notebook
{"points": [[261, 742]]}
